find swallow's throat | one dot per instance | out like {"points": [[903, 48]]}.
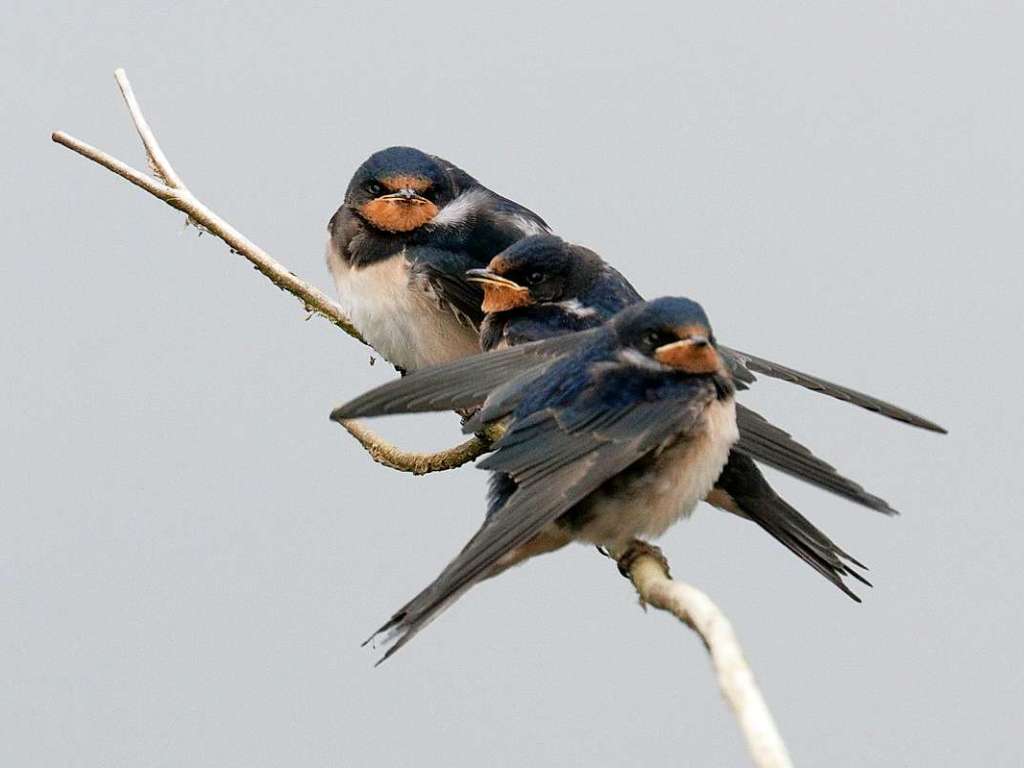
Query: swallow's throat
{"points": [[398, 212], [694, 355], [502, 297]]}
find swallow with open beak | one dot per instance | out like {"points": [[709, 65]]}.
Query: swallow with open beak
{"points": [[615, 440], [410, 226]]}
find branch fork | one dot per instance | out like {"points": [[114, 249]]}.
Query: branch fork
{"points": [[648, 571]]}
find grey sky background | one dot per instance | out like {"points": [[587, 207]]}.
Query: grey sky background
{"points": [[191, 553]]}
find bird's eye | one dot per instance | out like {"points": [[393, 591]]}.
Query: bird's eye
{"points": [[374, 188], [535, 278], [656, 338]]}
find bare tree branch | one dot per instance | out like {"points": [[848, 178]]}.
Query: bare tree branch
{"points": [[648, 571], [177, 195], [655, 587], [158, 161]]}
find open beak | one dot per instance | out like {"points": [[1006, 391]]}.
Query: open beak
{"points": [[694, 354], [500, 293]]}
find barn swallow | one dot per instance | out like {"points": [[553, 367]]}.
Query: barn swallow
{"points": [[543, 284], [573, 289], [410, 226], [542, 287], [616, 440]]}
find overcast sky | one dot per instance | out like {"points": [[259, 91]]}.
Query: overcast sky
{"points": [[191, 552]]}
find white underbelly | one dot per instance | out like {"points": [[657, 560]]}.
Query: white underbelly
{"points": [[399, 318], [680, 476]]}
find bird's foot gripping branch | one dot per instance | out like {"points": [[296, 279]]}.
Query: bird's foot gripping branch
{"points": [[648, 573]]}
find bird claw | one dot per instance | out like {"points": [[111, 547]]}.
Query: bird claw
{"points": [[638, 549]]}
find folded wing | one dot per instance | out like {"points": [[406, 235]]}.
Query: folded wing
{"points": [[556, 456]]}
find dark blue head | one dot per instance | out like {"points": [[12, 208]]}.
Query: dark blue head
{"points": [[670, 331], [399, 189], [537, 270]]}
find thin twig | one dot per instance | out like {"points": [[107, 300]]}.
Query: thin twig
{"points": [[417, 463], [157, 159], [138, 178], [177, 195], [735, 679]]}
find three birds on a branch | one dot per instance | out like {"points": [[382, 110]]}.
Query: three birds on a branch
{"points": [[619, 415]]}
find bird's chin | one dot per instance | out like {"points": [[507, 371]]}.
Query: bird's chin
{"points": [[398, 215], [688, 357], [502, 298]]}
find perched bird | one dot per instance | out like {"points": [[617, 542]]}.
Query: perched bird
{"points": [[424, 258], [593, 412], [615, 440], [542, 286], [410, 226], [400, 245]]}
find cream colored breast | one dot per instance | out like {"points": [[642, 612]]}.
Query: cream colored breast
{"points": [[399, 317], [679, 477]]}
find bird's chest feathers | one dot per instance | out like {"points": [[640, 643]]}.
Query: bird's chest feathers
{"points": [[398, 314], [656, 492]]}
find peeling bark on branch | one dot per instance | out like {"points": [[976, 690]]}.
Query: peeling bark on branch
{"points": [[648, 574]]}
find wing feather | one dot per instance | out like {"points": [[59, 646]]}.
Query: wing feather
{"points": [[460, 384], [444, 273], [838, 391], [775, 447], [554, 466], [755, 500]]}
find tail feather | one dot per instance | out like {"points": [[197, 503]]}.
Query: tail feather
{"points": [[411, 619], [743, 490]]}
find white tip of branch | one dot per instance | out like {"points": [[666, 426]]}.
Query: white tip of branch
{"points": [[158, 161], [125, 171]]}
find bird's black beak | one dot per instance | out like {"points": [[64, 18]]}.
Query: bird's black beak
{"points": [[693, 353], [405, 195], [500, 293]]}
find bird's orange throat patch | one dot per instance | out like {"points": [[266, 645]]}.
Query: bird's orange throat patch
{"points": [[398, 215], [501, 298], [689, 357]]}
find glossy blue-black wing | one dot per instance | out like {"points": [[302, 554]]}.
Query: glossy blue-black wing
{"points": [[746, 488], [442, 273], [463, 383], [831, 389], [773, 446], [556, 457]]}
